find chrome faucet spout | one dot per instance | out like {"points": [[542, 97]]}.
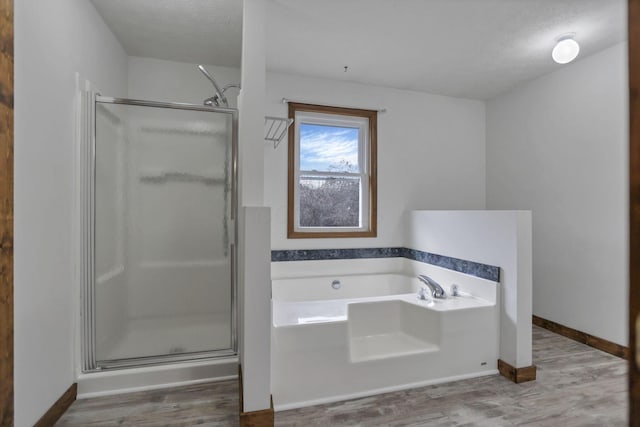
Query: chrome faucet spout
{"points": [[436, 290]]}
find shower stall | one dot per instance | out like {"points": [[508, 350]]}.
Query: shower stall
{"points": [[159, 253]]}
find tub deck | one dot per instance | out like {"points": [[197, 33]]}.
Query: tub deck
{"points": [[292, 313]]}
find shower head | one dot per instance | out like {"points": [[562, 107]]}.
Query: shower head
{"points": [[219, 97]]}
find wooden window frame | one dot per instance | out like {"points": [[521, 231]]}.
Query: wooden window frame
{"points": [[372, 117]]}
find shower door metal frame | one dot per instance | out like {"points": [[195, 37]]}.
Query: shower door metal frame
{"points": [[88, 294]]}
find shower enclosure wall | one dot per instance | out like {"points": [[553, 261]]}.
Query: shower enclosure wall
{"points": [[159, 233]]}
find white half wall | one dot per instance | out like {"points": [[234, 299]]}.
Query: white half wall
{"points": [[558, 146], [431, 154], [499, 238], [255, 321], [53, 41], [169, 81]]}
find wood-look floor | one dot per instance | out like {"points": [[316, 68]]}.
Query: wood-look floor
{"points": [[576, 386], [209, 404]]}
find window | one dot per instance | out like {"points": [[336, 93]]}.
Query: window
{"points": [[332, 172]]}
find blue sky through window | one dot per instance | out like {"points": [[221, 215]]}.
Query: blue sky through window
{"points": [[328, 148]]}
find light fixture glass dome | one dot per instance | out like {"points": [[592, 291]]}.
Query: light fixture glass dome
{"points": [[565, 50]]}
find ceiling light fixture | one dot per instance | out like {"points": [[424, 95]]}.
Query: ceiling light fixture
{"points": [[566, 49]]}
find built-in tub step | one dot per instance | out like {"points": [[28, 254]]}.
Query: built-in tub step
{"points": [[391, 328], [392, 344]]}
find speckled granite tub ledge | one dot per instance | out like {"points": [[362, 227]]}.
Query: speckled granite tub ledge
{"points": [[483, 271]]}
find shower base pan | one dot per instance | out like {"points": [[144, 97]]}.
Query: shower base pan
{"points": [[117, 381], [146, 337]]}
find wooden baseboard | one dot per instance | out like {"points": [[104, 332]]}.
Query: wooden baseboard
{"points": [[517, 375], [584, 338], [55, 412], [262, 418]]}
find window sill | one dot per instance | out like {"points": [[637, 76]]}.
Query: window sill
{"points": [[292, 234]]}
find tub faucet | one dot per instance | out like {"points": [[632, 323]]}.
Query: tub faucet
{"points": [[434, 287]]}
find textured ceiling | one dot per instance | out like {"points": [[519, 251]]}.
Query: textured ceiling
{"points": [[195, 31], [463, 48]]}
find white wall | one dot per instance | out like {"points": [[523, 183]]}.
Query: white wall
{"points": [[254, 243], [500, 238], [431, 154], [53, 40], [169, 81], [558, 146]]}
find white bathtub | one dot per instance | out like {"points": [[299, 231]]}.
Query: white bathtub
{"points": [[374, 335]]}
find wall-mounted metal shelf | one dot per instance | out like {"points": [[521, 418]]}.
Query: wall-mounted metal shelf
{"points": [[275, 128]]}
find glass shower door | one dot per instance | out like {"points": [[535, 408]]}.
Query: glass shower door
{"points": [[164, 205]]}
